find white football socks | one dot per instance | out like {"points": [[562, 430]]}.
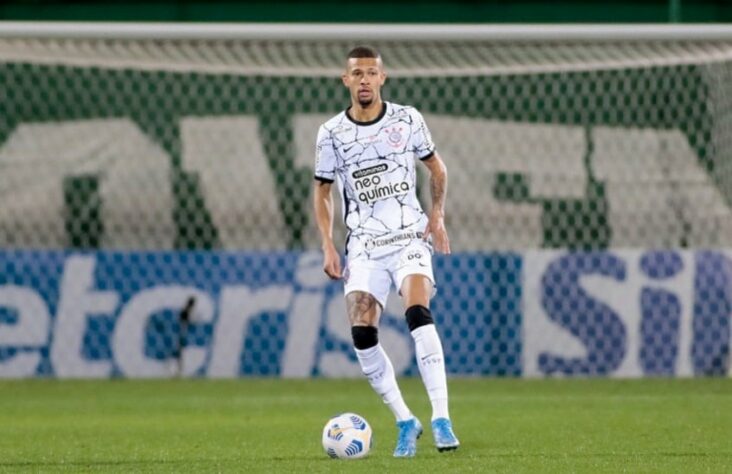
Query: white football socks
{"points": [[379, 371], [431, 363]]}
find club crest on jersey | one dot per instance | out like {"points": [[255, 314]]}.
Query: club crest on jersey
{"points": [[395, 137]]}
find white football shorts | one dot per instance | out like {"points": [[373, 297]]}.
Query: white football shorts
{"points": [[375, 276]]}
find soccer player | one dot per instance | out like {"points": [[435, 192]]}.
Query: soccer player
{"points": [[371, 149]]}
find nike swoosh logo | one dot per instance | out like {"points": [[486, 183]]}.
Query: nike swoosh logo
{"points": [[428, 356]]}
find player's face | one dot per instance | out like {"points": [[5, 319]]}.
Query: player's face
{"points": [[364, 78]]}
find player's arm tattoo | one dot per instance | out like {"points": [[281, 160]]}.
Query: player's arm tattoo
{"points": [[363, 309], [438, 185], [438, 181]]}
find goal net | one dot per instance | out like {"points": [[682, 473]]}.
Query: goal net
{"points": [[608, 151]]}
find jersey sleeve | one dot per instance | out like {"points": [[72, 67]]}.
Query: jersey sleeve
{"points": [[325, 159], [422, 143]]}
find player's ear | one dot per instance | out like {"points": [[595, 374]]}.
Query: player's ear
{"points": [[344, 78]]}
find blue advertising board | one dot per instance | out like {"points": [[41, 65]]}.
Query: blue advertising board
{"points": [[540, 313]]}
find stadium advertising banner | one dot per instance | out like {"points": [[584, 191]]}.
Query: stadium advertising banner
{"points": [[106, 314]]}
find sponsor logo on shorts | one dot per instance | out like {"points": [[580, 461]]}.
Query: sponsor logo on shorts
{"points": [[371, 244]]}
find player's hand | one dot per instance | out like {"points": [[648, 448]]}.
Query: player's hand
{"points": [[436, 229], [331, 262]]}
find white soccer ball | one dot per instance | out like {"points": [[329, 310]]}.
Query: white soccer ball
{"points": [[347, 436]]}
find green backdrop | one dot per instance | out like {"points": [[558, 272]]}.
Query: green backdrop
{"points": [[519, 11]]}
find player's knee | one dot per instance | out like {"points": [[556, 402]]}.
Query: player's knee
{"points": [[418, 316], [364, 337]]}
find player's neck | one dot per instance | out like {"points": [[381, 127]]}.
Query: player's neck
{"points": [[366, 114]]}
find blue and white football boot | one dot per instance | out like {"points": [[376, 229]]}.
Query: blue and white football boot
{"points": [[445, 439], [409, 431]]}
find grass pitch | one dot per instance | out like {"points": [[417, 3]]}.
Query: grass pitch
{"points": [[267, 425]]}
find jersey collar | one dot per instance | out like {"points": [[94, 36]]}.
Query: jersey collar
{"points": [[370, 122]]}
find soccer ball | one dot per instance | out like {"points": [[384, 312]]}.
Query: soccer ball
{"points": [[347, 436]]}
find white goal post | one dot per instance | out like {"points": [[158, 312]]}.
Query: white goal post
{"points": [[593, 100]]}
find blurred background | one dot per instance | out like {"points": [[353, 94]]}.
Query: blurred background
{"points": [[421, 11], [156, 173]]}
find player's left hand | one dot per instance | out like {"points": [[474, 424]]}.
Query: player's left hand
{"points": [[436, 229]]}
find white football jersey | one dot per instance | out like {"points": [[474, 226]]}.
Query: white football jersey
{"points": [[374, 166]]}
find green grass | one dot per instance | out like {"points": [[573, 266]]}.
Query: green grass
{"points": [[267, 425]]}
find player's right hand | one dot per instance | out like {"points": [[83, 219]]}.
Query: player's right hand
{"points": [[332, 263]]}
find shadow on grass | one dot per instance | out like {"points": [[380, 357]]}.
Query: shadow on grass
{"points": [[111, 463], [606, 455], [184, 463]]}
